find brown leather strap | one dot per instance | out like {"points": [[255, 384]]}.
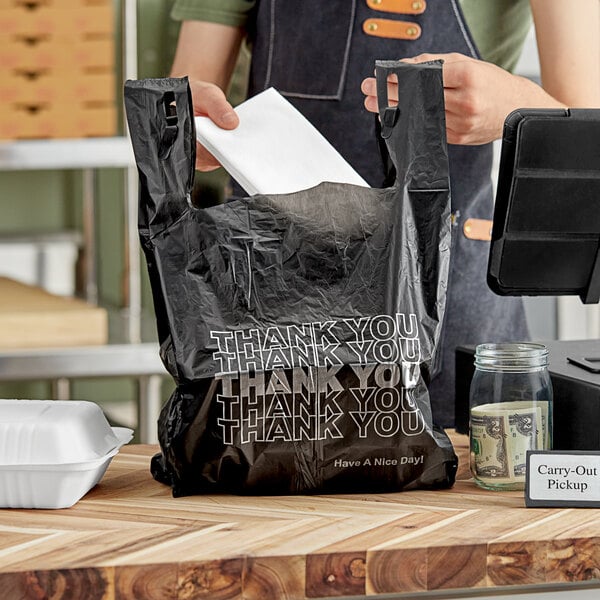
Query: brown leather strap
{"points": [[386, 28], [404, 7], [478, 229]]}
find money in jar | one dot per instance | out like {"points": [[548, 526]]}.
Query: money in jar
{"points": [[510, 412]]}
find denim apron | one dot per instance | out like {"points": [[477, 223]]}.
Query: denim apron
{"points": [[316, 54]]}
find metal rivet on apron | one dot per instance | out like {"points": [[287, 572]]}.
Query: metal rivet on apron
{"points": [[415, 5], [467, 228], [372, 26], [377, 1], [412, 31]]}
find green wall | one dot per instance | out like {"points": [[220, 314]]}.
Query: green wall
{"points": [[50, 201]]}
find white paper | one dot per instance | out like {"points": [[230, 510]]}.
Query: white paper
{"points": [[274, 149]]}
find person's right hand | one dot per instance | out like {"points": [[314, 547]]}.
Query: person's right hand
{"points": [[210, 101]]}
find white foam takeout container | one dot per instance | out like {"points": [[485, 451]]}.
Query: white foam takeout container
{"points": [[53, 452]]}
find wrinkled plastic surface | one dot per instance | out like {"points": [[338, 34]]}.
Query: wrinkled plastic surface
{"points": [[301, 328]]}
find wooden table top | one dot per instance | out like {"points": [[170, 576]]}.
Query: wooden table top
{"points": [[129, 538]]}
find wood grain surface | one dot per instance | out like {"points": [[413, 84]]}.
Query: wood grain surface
{"points": [[30, 317], [129, 539]]}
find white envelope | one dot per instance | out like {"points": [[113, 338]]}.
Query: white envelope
{"points": [[275, 149]]}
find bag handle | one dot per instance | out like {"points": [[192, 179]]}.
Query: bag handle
{"points": [[161, 125], [414, 130]]}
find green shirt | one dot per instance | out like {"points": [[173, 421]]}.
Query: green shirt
{"points": [[499, 27]]}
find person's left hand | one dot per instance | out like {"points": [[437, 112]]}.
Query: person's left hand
{"points": [[478, 97]]}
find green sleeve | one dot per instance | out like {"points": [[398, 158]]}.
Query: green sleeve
{"points": [[499, 28], [225, 12]]}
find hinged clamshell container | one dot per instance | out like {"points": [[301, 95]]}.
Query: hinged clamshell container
{"points": [[53, 452]]}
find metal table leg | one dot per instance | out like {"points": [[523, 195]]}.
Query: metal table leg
{"points": [[61, 388], [149, 405]]}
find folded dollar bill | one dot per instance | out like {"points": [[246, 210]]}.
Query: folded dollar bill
{"points": [[501, 435]]}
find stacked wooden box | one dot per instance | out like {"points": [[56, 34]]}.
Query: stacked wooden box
{"points": [[57, 61], [32, 318]]}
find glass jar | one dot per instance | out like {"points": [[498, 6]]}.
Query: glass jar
{"points": [[510, 412]]}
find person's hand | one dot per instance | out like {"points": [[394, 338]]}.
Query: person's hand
{"points": [[478, 97], [209, 101]]}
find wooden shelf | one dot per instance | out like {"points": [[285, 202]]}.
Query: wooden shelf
{"points": [[30, 317]]}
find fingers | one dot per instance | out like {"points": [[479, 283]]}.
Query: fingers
{"points": [[209, 100], [449, 57], [454, 68], [369, 89], [205, 161], [477, 96], [457, 69]]}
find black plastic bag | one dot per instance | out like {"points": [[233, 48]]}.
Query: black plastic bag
{"points": [[300, 328]]}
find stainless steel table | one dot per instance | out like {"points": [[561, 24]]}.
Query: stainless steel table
{"points": [[60, 365]]}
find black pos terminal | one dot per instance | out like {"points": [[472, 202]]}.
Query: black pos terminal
{"points": [[546, 242]]}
